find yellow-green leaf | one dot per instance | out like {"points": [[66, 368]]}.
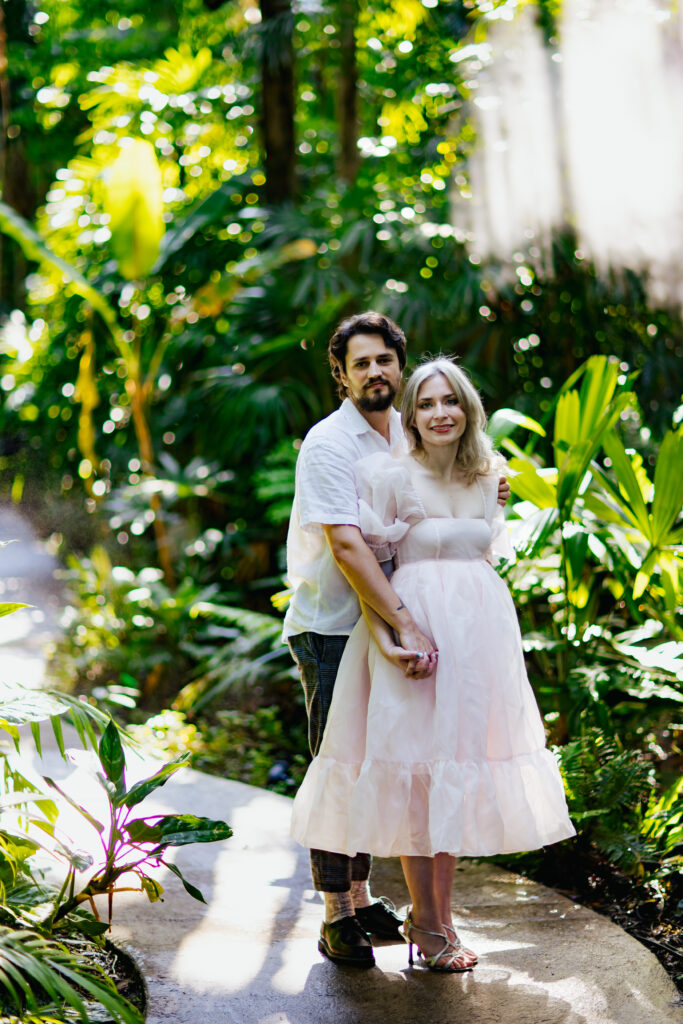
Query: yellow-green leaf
{"points": [[666, 505], [134, 203], [528, 483]]}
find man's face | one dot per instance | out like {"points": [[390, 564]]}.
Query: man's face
{"points": [[372, 375]]}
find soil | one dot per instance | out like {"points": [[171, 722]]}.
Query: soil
{"points": [[114, 962], [120, 967], [126, 976]]}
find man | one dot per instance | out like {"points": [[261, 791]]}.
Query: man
{"points": [[330, 568]]}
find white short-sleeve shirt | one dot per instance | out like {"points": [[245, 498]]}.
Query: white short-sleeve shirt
{"points": [[325, 493]]}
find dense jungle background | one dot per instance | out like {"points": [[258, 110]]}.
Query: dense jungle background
{"points": [[191, 200]]}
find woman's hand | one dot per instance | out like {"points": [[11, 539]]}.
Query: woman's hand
{"points": [[413, 664]]}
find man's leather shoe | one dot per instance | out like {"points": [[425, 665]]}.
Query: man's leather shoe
{"points": [[380, 921], [345, 942]]}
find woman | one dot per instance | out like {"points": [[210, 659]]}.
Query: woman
{"points": [[453, 763]]}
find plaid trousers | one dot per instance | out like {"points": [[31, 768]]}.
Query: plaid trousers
{"points": [[317, 658]]}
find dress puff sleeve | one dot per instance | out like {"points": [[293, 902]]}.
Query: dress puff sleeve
{"points": [[387, 503], [500, 546]]}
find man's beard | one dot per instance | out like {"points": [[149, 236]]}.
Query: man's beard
{"points": [[377, 401]]}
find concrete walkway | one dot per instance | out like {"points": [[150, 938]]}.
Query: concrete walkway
{"points": [[249, 955]]}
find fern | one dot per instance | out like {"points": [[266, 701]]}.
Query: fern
{"points": [[613, 801]]}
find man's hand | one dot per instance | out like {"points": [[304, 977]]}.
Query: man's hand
{"points": [[503, 491]]}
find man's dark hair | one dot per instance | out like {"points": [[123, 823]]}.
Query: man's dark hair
{"points": [[364, 323]]}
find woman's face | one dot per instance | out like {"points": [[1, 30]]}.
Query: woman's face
{"points": [[439, 418]]}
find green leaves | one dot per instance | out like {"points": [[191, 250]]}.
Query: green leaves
{"points": [[35, 248], [177, 830], [121, 838], [532, 484], [140, 790], [503, 421], [668, 497], [133, 199], [192, 890], [112, 759], [654, 520], [582, 420], [30, 963]]}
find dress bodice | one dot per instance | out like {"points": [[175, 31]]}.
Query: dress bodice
{"points": [[441, 538], [395, 523]]}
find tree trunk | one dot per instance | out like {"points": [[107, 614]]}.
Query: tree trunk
{"points": [[136, 393], [347, 95], [16, 179], [277, 99]]}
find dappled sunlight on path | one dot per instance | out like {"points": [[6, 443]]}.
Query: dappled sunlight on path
{"points": [[249, 954]]}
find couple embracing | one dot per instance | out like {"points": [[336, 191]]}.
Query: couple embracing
{"points": [[426, 737]]}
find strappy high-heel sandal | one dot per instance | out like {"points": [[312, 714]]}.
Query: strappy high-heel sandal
{"points": [[457, 945], [443, 961]]}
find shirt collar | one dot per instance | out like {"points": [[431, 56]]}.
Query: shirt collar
{"points": [[359, 425]]}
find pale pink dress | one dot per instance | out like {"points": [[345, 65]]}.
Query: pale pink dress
{"points": [[455, 763]]}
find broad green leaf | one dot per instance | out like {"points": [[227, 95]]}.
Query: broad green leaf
{"points": [[35, 248], [668, 499], [527, 483], [628, 484], [141, 789], [504, 421], [133, 200], [597, 390], [604, 506], [189, 888], [567, 423], [89, 926], [178, 830], [142, 831], [112, 757], [572, 470]]}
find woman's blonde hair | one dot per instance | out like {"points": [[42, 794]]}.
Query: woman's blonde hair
{"points": [[476, 456]]}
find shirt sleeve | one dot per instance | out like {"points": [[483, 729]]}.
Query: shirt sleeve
{"points": [[326, 487]]}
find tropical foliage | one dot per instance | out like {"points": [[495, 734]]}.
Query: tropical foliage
{"points": [[189, 205], [45, 966]]}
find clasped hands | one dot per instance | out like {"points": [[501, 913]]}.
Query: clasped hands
{"points": [[414, 654]]}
